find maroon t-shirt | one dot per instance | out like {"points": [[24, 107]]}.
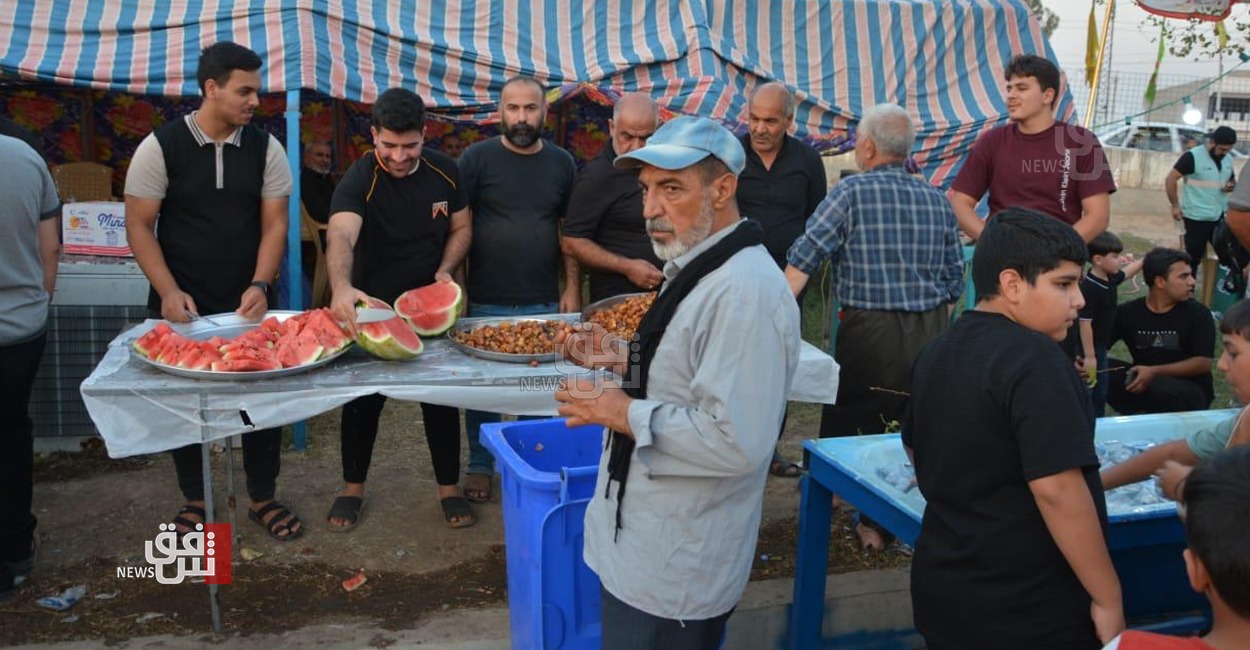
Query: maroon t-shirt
{"points": [[1051, 171]]}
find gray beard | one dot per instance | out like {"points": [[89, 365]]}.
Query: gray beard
{"points": [[693, 237]]}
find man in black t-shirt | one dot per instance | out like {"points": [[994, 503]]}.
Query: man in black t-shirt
{"points": [[1171, 338], [399, 220], [518, 187], [604, 228], [1012, 550]]}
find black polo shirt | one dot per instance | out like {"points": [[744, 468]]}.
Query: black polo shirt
{"points": [[606, 208], [405, 221], [783, 197]]}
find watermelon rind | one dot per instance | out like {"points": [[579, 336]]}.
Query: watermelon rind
{"points": [[427, 311], [393, 340]]}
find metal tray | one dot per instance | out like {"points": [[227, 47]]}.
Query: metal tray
{"points": [[608, 303], [230, 325], [470, 324]]}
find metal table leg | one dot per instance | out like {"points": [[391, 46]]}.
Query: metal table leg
{"points": [[206, 457], [231, 504], [812, 565]]}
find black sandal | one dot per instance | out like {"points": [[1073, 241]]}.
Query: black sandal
{"points": [[179, 520], [457, 507], [349, 508], [274, 528]]}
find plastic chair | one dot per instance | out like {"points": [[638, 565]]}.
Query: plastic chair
{"points": [[83, 181], [311, 230]]}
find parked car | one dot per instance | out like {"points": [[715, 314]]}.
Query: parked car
{"points": [[1155, 136]]}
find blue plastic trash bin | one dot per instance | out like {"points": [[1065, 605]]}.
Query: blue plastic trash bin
{"points": [[547, 474]]}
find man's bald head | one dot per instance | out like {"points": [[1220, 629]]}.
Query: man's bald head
{"points": [[774, 91], [634, 118]]}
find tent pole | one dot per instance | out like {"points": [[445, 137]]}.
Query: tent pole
{"points": [[1102, 50], [294, 263]]}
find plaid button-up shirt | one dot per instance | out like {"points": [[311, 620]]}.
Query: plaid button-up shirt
{"points": [[892, 239]]}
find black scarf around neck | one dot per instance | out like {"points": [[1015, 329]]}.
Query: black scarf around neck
{"points": [[651, 329]]}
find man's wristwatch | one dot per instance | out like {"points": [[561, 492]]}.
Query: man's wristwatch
{"points": [[262, 285]]}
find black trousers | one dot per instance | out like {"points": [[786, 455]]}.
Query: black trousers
{"points": [[627, 628], [262, 461], [18, 364], [1197, 235], [359, 431], [1164, 395]]}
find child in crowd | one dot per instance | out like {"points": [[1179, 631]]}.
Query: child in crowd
{"points": [[1201, 444], [1217, 524], [1089, 340], [1012, 550]]}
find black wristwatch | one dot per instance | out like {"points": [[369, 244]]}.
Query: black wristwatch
{"points": [[262, 285]]}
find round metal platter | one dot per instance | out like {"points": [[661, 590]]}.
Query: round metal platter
{"points": [[470, 324], [228, 326], [608, 303]]}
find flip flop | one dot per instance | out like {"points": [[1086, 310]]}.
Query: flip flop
{"points": [[457, 507], [349, 508], [475, 493], [785, 469], [273, 527]]}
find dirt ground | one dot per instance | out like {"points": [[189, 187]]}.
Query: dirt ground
{"points": [[95, 514]]}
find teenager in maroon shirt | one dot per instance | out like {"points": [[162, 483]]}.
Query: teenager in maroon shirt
{"points": [[1036, 161]]}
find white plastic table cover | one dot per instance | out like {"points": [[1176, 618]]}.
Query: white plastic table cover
{"points": [[141, 410]]}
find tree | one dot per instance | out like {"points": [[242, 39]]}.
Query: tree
{"points": [[1201, 39], [1047, 19]]}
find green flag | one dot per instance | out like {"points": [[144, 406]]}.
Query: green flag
{"points": [[1154, 76]]}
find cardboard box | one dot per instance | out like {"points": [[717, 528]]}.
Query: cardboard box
{"points": [[97, 228]]}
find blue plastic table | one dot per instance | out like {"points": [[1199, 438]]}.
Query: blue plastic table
{"points": [[1145, 541]]}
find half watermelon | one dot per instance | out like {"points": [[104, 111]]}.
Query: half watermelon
{"points": [[431, 310], [392, 339]]}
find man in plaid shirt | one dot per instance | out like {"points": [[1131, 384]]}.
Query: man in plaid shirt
{"points": [[898, 270]]}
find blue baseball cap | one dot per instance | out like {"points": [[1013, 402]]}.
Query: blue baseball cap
{"points": [[685, 141]]}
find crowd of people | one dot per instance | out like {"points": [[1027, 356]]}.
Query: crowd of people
{"points": [[996, 407]]}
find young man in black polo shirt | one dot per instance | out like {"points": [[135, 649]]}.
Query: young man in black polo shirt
{"points": [[399, 220], [604, 228], [1012, 550], [1171, 338], [220, 187]]}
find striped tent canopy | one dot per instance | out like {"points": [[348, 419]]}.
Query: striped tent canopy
{"points": [[942, 60]]}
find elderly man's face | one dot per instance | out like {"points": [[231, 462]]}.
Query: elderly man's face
{"points": [[678, 208], [631, 130], [768, 121], [452, 146], [317, 158]]}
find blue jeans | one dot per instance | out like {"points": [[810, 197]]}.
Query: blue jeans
{"points": [[1098, 394], [480, 459]]}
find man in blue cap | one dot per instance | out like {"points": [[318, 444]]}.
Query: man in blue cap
{"points": [[693, 422]]}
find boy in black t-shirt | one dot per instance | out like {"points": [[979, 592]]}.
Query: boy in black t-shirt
{"points": [[1090, 337], [1171, 338], [1012, 550]]}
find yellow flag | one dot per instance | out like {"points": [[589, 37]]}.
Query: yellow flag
{"points": [[1222, 34], [1091, 47]]}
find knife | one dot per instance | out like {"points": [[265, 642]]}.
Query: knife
{"points": [[366, 315]]}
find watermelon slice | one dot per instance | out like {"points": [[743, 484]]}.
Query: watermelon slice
{"points": [[392, 339], [298, 349], [431, 310], [327, 331], [150, 344]]}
